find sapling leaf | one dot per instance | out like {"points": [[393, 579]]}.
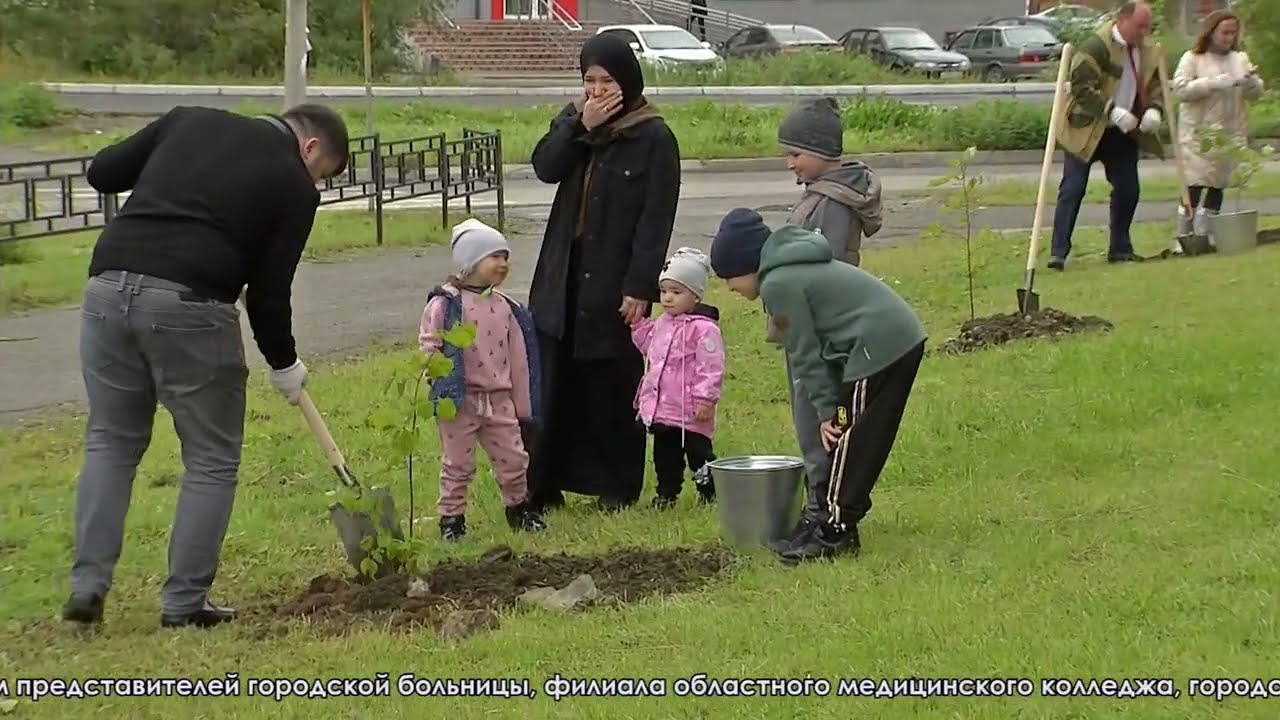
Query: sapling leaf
{"points": [[368, 567], [439, 366], [446, 409], [366, 543], [405, 442], [425, 408], [461, 335]]}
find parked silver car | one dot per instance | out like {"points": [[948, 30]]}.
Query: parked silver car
{"points": [[1013, 52]]}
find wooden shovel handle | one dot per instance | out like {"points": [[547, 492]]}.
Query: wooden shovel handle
{"points": [[1172, 118], [318, 428], [1059, 100]]}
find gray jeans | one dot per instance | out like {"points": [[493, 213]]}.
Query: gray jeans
{"points": [[145, 341], [817, 462]]}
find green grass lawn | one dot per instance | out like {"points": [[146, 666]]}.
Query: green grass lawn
{"points": [[51, 270], [705, 130], [992, 193], [1099, 506]]}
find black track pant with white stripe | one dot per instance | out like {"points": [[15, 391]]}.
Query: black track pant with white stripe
{"points": [[874, 412]]}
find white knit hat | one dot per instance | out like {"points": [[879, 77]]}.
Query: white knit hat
{"points": [[474, 241], [689, 267]]}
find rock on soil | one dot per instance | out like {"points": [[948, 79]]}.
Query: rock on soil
{"points": [[498, 580], [999, 329]]}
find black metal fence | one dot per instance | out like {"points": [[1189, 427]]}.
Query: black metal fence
{"points": [[53, 197]]}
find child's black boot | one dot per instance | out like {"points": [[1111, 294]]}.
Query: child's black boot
{"points": [[525, 517], [453, 527], [826, 542]]}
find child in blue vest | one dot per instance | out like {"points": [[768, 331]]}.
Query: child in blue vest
{"points": [[493, 383]]}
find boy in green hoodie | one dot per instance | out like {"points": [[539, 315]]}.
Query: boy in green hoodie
{"points": [[855, 347]]}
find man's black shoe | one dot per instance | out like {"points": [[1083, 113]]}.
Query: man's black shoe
{"points": [[85, 608], [206, 617], [825, 542], [1057, 263], [800, 533]]}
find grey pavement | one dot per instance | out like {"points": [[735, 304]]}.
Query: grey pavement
{"points": [[344, 305]]}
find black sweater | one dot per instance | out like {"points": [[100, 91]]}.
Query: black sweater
{"points": [[219, 201]]}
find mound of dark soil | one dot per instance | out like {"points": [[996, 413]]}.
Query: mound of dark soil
{"points": [[498, 579], [995, 330]]}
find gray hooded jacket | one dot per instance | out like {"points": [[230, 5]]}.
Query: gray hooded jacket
{"points": [[843, 205]]}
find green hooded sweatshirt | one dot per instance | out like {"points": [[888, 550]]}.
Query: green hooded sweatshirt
{"points": [[840, 323]]}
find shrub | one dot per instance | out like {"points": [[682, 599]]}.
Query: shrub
{"points": [[29, 106], [809, 68], [993, 125], [1261, 20]]}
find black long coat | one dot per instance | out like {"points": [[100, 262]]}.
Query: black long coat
{"points": [[626, 228]]}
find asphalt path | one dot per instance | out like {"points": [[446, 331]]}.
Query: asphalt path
{"points": [[150, 104], [343, 305]]}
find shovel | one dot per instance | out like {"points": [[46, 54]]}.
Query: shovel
{"points": [[353, 526], [1190, 243], [1028, 300]]}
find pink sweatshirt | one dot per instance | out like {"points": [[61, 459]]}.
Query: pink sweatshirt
{"points": [[685, 357], [497, 361]]}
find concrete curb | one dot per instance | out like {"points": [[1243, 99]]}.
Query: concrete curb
{"points": [[961, 89]]}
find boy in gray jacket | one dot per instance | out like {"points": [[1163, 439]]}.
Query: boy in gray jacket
{"points": [[841, 200]]}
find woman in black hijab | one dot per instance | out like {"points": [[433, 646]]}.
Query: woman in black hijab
{"points": [[617, 165]]}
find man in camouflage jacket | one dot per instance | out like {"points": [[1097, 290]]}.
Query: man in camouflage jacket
{"points": [[1114, 110]]}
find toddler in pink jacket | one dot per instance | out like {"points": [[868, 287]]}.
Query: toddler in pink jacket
{"points": [[684, 373]]}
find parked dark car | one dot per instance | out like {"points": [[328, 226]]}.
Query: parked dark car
{"points": [[1047, 23], [905, 49], [760, 40], [1008, 52]]}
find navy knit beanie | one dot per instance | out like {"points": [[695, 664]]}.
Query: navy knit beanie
{"points": [[735, 251]]}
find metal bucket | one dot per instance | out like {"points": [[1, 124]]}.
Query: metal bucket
{"points": [[758, 497], [1235, 233]]}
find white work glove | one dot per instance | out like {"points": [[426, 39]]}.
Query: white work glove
{"points": [[1124, 120], [1150, 121], [1223, 81], [289, 381]]}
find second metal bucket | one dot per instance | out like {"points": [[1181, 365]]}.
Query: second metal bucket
{"points": [[758, 496]]}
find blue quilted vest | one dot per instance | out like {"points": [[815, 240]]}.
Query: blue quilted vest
{"points": [[454, 385]]}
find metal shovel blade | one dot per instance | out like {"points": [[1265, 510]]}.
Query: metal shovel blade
{"points": [[1028, 301], [353, 527]]}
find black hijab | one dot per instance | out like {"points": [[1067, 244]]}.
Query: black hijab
{"points": [[619, 60]]}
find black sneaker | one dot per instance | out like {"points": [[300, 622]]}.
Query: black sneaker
{"points": [[824, 542], [206, 617], [525, 517], [663, 502], [453, 527], [1057, 263], [84, 608], [800, 533]]}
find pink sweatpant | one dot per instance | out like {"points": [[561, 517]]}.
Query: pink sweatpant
{"points": [[491, 419]]}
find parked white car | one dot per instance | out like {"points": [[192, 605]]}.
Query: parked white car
{"points": [[665, 45]]}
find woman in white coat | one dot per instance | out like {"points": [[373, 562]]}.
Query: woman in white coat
{"points": [[1213, 83]]}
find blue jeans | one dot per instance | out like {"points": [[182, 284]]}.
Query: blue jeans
{"points": [[1118, 154]]}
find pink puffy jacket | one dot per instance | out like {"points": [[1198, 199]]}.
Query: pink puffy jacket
{"points": [[685, 367]]}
